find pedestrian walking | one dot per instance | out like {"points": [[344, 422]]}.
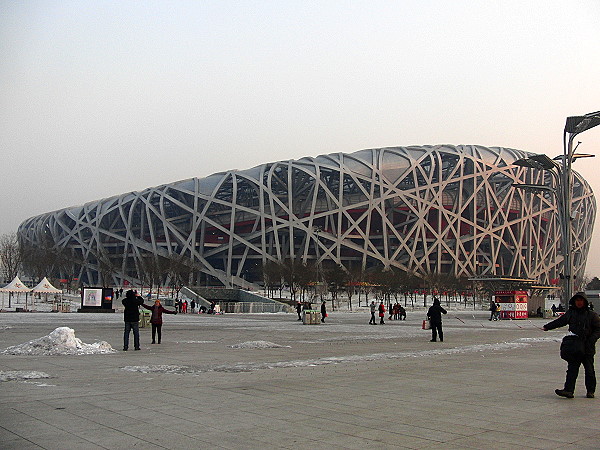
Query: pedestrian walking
{"points": [[299, 310], [373, 308], [493, 309], [323, 311], [193, 306], [381, 313], [579, 346], [434, 314], [131, 316], [156, 318]]}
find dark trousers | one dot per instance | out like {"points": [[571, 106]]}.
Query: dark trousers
{"points": [[573, 371], [136, 334], [381, 322], [156, 327], [372, 318], [436, 328]]}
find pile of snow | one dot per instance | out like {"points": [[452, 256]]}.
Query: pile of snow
{"points": [[18, 375], [258, 344], [61, 341]]}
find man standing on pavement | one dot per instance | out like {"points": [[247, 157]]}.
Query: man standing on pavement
{"points": [[131, 316], [373, 309], [435, 319], [584, 329]]}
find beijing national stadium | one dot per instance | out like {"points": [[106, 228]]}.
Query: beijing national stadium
{"points": [[420, 209]]}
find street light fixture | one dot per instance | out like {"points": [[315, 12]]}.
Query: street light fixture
{"points": [[563, 175], [573, 126]]}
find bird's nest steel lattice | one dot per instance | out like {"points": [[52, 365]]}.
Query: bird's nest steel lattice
{"points": [[422, 209]]}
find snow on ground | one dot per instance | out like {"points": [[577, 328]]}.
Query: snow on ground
{"points": [[159, 368], [253, 366], [258, 344], [542, 339], [61, 341], [20, 375]]}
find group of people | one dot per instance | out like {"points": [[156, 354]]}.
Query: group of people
{"points": [[304, 306], [495, 309], [131, 316], [398, 312], [578, 348]]}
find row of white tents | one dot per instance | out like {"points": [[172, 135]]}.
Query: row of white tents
{"points": [[16, 286], [43, 287]]}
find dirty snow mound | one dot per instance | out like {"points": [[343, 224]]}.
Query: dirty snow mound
{"points": [[258, 344], [61, 341], [157, 368], [18, 375]]}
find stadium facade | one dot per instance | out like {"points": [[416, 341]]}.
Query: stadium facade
{"points": [[424, 209]]}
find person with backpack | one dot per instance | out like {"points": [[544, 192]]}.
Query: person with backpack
{"points": [[579, 346]]}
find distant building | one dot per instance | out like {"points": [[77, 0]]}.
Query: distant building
{"points": [[426, 209]]}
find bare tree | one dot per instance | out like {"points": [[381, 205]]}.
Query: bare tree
{"points": [[272, 277], [293, 271], [11, 256], [336, 278], [179, 270]]}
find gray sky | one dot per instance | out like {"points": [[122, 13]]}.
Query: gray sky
{"points": [[99, 98]]}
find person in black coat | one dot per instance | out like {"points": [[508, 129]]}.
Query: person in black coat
{"points": [[299, 310], [493, 310], [435, 319], [131, 316], [586, 325], [323, 311]]}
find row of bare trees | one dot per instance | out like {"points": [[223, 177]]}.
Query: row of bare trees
{"points": [[309, 282]]}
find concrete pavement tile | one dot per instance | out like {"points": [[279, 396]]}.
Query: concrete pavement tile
{"points": [[362, 442], [513, 437], [70, 442], [20, 444], [583, 445], [163, 436], [110, 438], [30, 428], [537, 428]]}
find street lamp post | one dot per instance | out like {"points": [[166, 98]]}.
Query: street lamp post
{"points": [[573, 126], [563, 177]]}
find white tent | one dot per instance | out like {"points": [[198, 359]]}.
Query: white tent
{"points": [[45, 287], [15, 286]]}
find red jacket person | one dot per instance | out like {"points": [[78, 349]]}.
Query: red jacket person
{"points": [[156, 318]]}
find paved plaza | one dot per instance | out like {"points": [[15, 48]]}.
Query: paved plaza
{"points": [[267, 381]]}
